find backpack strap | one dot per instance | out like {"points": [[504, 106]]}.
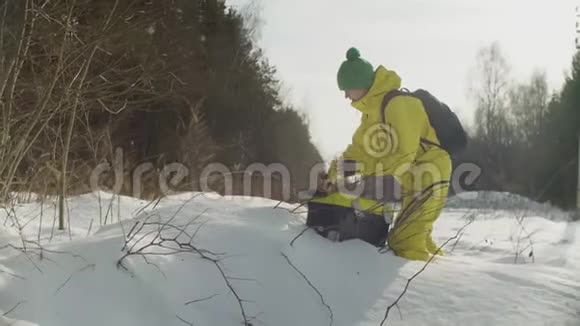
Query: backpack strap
{"points": [[428, 142], [388, 97]]}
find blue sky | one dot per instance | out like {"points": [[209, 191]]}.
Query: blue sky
{"points": [[431, 44]]}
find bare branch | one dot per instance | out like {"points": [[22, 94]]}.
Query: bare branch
{"points": [[13, 308], [184, 321], [25, 253], [298, 236], [229, 285], [200, 300], [312, 286], [523, 229], [154, 265], [396, 302], [42, 250], [13, 275], [296, 208], [71, 275], [172, 245]]}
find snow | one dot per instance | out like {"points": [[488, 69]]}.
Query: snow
{"points": [[494, 201], [75, 280]]}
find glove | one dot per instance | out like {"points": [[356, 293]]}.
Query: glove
{"points": [[325, 184]]}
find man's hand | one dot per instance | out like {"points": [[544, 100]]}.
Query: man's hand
{"points": [[325, 184]]}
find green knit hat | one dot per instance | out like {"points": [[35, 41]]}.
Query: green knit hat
{"points": [[355, 72]]}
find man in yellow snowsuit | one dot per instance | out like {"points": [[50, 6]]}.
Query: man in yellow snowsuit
{"points": [[404, 147]]}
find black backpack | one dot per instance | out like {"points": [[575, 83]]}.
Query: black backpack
{"points": [[448, 128]]}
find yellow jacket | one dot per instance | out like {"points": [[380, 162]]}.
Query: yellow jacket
{"points": [[393, 147]]}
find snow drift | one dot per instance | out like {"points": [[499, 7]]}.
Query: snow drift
{"points": [[493, 201], [231, 260]]}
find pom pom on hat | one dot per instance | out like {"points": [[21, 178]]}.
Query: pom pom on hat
{"points": [[352, 54]]}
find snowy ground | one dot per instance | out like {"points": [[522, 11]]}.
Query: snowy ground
{"points": [[508, 267]]}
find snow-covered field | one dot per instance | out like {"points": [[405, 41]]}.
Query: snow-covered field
{"points": [[508, 267]]}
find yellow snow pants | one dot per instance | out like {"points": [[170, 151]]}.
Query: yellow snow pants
{"points": [[425, 187]]}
